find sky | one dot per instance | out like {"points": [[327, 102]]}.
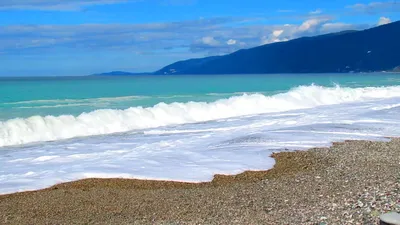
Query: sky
{"points": [[76, 37]]}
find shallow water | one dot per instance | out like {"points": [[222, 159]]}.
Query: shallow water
{"points": [[184, 128]]}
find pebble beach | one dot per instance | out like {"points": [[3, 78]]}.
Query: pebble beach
{"points": [[352, 182]]}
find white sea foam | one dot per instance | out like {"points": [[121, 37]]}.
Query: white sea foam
{"points": [[194, 152], [49, 128]]}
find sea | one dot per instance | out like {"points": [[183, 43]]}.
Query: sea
{"points": [[181, 128]]}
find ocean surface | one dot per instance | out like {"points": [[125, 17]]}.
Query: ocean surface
{"points": [[181, 128]]}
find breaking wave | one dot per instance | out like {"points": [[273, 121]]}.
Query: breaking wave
{"points": [[106, 121]]}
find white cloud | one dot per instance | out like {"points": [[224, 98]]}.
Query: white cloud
{"points": [[208, 36], [131, 37], [268, 40], [274, 37], [277, 33], [311, 24], [383, 21], [310, 27], [210, 41], [231, 42]]}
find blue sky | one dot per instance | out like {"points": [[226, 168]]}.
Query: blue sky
{"points": [[75, 37]]}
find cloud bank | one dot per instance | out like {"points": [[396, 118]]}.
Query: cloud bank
{"points": [[57, 5], [209, 36], [376, 7]]}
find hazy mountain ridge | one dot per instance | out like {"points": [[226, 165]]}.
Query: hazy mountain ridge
{"points": [[119, 73], [371, 50], [375, 49]]}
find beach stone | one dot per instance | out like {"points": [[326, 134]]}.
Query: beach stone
{"points": [[391, 218]]}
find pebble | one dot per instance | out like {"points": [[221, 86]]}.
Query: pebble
{"points": [[392, 218], [355, 189]]}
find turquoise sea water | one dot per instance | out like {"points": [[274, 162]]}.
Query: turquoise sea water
{"points": [[24, 97], [182, 128]]}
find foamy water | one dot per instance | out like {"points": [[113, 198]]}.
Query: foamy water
{"points": [[190, 141], [107, 121]]}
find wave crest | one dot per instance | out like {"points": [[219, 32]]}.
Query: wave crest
{"points": [[49, 128]]}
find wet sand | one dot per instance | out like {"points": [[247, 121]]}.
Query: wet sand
{"points": [[350, 183]]}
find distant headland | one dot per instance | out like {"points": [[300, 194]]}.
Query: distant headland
{"points": [[372, 50], [120, 73]]}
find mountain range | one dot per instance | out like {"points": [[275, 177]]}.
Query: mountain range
{"points": [[375, 49]]}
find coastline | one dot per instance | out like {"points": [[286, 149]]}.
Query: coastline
{"points": [[350, 182]]}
